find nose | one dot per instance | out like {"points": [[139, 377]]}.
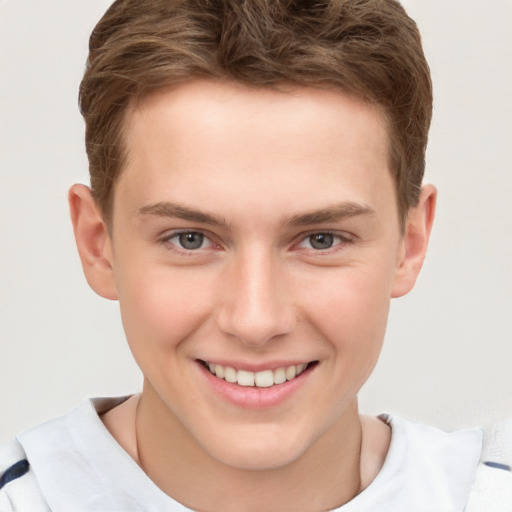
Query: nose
{"points": [[256, 305]]}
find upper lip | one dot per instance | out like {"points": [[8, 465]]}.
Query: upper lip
{"points": [[257, 367]]}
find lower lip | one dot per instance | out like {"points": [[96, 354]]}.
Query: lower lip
{"points": [[252, 397]]}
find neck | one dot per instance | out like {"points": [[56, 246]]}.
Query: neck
{"points": [[325, 476]]}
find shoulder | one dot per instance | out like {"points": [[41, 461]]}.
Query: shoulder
{"points": [[492, 489], [426, 448], [42, 457], [75, 464], [19, 489], [424, 469], [464, 464]]}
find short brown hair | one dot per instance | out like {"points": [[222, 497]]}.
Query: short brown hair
{"points": [[368, 48]]}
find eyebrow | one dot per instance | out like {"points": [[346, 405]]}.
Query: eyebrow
{"points": [[177, 211], [331, 213]]}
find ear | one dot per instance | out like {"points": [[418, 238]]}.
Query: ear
{"points": [[93, 241], [415, 242]]}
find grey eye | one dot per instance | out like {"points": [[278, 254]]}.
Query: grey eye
{"points": [[191, 240], [321, 241]]}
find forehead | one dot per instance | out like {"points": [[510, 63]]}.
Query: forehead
{"points": [[199, 107], [206, 137]]}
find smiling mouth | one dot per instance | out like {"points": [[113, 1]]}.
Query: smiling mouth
{"points": [[262, 379]]}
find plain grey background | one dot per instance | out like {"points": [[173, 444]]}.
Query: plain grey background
{"points": [[448, 352]]}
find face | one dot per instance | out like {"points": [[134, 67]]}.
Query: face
{"points": [[255, 236]]}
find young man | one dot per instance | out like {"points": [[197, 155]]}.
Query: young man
{"points": [[256, 201]]}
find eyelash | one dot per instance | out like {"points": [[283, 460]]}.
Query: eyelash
{"points": [[177, 249], [343, 240]]}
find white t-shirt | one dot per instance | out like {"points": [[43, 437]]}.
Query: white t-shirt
{"points": [[78, 466]]}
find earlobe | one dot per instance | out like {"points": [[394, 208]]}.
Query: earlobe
{"points": [[415, 242], [93, 241]]}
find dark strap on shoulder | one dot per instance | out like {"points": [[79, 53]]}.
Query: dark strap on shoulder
{"points": [[16, 471], [497, 465]]}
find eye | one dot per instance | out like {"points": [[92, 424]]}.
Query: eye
{"points": [[323, 241], [190, 240]]}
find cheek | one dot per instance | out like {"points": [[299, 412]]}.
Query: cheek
{"points": [[347, 314], [160, 309], [350, 312]]}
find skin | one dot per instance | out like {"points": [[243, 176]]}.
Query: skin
{"points": [[255, 166]]}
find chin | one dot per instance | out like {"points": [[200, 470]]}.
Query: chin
{"points": [[258, 451]]}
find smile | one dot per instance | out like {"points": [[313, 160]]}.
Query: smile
{"points": [[261, 379]]}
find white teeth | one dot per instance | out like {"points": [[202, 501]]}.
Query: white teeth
{"points": [[245, 378], [291, 372], [219, 371], [263, 379], [279, 376], [230, 374]]}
